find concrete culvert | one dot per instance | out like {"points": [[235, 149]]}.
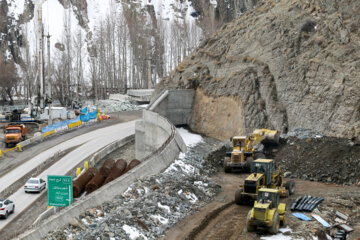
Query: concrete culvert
{"points": [[107, 166], [132, 164], [95, 183], [117, 170], [80, 183]]}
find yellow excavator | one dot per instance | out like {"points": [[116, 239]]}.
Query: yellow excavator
{"points": [[246, 148], [264, 175]]}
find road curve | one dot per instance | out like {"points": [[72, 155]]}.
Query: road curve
{"points": [[92, 142]]}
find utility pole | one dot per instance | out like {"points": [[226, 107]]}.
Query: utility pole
{"points": [[149, 74], [40, 54], [48, 90]]}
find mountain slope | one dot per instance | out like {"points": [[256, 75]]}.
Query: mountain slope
{"points": [[284, 65]]}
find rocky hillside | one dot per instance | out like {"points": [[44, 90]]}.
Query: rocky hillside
{"points": [[286, 64]]}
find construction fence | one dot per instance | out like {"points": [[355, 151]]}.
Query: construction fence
{"points": [[71, 123]]}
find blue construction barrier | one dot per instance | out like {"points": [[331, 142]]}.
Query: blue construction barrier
{"points": [[88, 116], [59, 125]]}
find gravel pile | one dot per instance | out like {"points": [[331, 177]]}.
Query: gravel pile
{"points": [[152, 205], [301, 133], [109, 106], [325, 159]]}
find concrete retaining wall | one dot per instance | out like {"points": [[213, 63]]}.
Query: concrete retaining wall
{"points": [[152, 164], [150, 134], [175, 105]]}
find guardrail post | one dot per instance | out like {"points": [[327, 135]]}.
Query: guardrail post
{"points": [[78, 171], [1, 153], [86, 164]]}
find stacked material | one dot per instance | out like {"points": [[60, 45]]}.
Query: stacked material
{"points": [[109, 106], [131, 165], [107, 166], [80, 183], [97, 181], [117, 170], [306, 203]]}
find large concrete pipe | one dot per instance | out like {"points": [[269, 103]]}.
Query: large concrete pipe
{"points": [[131, 165], [105, 169], [95, 183], [80, 182], [117, 170]]}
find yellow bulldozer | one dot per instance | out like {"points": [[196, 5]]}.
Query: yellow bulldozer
{"points": [[263, 175], [267, 212], [247, 148]]}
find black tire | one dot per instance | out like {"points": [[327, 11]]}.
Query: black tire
{"points": [[227, 169], [6, 145], [290, 186], [238, 198], [26, 191], [274, 229], [6, 215], [13, 210], [249, 227], [248, 163], [282, 222]]}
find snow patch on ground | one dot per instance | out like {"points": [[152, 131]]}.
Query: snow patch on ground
{"points": [[286, 229], [159, 218], [281, 236], [167, 208], [190, 139], [133, 232]]}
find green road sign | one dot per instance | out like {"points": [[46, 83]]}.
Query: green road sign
{"points": [[60, 190]]}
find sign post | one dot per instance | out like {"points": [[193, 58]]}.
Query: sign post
{"points": [[60, 191]]}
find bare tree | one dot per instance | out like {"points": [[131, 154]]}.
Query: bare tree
{"points": [[8, 80]]}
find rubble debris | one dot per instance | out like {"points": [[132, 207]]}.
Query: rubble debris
{"points": [[341, 215], [340, 235], [301, 133], [346, 228], [302, 216], [326, 159], [321, 220], [154, 203], [110, 106]]}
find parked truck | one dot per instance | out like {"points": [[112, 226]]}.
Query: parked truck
{"points": [[15, 134]]}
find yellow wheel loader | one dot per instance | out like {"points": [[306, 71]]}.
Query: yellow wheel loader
{"points": [[267, 212], [263, 175], [246, 148]]}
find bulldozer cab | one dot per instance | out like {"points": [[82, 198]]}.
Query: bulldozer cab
{"points": [[266, 195], [238, 142], [264, 166]]}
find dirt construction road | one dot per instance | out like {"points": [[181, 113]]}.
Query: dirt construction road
{"points": [[223, 219]]}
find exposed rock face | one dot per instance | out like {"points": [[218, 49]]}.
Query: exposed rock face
{"points": [[212, 16], [286, 71]]}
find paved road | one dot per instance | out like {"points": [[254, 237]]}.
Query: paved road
{"points": [[92, 142]]}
